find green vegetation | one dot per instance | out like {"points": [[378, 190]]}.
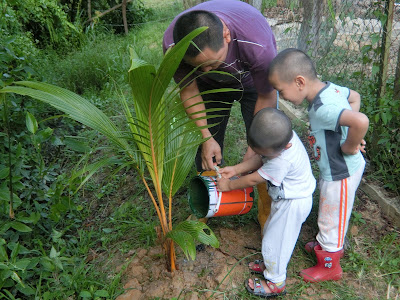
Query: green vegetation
{"points": [[57, 242]]}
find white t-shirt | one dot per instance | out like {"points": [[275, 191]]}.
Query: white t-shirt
{"points": [[289, 176]]}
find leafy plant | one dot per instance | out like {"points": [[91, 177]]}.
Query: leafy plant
{"points": [[159, 138], [45, 20]]}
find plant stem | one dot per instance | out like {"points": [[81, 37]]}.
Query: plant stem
{"points": [[8, 130]]}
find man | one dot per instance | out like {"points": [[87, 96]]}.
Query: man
{"points": [[238, 41]]}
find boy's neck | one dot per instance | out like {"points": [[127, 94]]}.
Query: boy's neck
{"points": [[315, 87]]}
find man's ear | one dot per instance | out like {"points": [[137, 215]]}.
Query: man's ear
{"points": [[226, 34], [300, 81], [288, 146]]}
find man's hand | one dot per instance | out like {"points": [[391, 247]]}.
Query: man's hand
{"points": [[210, 149]]}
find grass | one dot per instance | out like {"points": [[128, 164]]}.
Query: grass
{"points": [[115, 209]]}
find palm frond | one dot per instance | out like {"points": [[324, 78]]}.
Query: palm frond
{"points": [[72, 104]]}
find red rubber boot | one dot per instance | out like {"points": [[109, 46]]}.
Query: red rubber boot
{"points": [[327, 267], [309, 247]]}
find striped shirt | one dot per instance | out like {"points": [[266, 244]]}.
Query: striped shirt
{"points": [[327, 135]]}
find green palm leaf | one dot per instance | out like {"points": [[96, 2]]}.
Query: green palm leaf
{"points": [[151, 128], [72, 104], [185, 241], [199, 231], [186, 233]]}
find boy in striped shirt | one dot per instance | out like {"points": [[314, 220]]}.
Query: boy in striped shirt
{"points": [[337, 139]]}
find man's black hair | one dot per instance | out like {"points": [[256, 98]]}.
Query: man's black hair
{"points": [[270, 129], [212, 37], [290, 63]]}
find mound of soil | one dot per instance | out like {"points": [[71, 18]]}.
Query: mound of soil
{"points": [[214, 269]]}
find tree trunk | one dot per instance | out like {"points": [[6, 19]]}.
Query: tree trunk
{"points": [[89, 9], [124, 16], [386, 41], [396, 95], [308, 40]]}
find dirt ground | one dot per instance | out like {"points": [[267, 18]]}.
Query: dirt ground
{"points": [[224, 270]]}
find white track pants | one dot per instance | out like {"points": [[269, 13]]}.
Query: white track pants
{"points": [[335, 206], [281, 231]]}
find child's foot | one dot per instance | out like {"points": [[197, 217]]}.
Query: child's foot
{"points": [[309, 247], [265, 288], [257, 266]]}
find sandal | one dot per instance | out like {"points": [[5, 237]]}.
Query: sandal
{"points": [[260, 291], [256, 269]]}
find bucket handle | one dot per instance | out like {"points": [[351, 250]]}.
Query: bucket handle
{"points": [[220, 193]]}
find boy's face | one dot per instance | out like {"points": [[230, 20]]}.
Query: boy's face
{"points": [[290, 91]]}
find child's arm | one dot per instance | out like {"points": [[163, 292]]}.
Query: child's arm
{"points": [[358, 125], [354, 100], [224, 184], [253, 163]]}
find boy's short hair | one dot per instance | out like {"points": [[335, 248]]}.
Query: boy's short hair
{"points": [[212, 37], [270, 129], [290, 63]]}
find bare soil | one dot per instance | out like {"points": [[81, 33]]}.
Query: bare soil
{"points": [[220, 273]]}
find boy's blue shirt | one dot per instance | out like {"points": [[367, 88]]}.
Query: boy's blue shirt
{"points": [[327, 135]]}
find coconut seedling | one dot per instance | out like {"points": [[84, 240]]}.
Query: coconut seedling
{"points": [[158, 139]]}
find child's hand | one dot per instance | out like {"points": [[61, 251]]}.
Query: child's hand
{"points": [[223, 184], [346, 149], [227, 172], [362, 146]]}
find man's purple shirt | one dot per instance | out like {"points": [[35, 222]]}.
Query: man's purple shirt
{"points": [[250, 51]]}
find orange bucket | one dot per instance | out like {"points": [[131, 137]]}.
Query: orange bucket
{"points": [[206, 202]]}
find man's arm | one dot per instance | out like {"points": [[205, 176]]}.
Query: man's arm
{"points": [[358, 126], [266, 100], [193, 103]]}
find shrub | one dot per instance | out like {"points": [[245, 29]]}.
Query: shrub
{"points": [[45, 20]]}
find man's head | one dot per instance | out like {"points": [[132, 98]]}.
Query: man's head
{"points": [[288, 73], [209, 48], [270, 132]]}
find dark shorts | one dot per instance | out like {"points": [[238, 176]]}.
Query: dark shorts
{"points": [[247, 99]]}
